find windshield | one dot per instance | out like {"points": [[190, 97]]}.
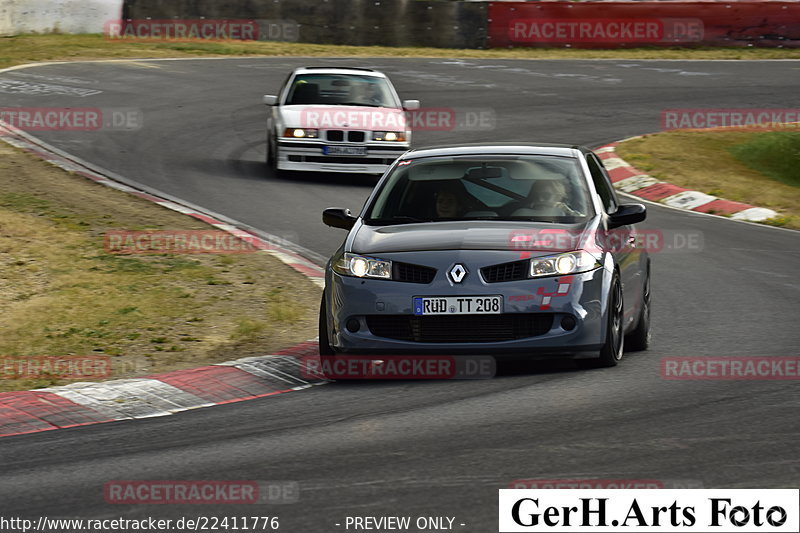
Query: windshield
{"points": [[535, 188], [340, 89]]}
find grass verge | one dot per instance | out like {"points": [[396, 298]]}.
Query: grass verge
{"points": [[57, 47], [63, 294], [758, 168], [775, 154]]}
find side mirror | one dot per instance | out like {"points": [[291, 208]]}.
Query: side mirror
{"points": [[269, 99], [627, 214], [410, 105], [338, 217]]}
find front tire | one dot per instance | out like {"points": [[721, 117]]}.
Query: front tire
{"points": [[325, 348], [327, 356], [639, 339], [611, 352], [272, 155]]}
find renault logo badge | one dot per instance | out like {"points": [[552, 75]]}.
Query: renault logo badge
{"points": [[458, 273]]}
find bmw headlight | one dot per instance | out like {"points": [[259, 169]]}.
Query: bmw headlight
{"points": [[562, 264], [300, 133], [388, 136], [363, 267]]}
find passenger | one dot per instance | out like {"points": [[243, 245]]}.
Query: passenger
{"points": [[548, 198]]}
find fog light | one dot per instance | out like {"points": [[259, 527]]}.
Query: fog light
{"points": [[353, 325], [568, 323]]}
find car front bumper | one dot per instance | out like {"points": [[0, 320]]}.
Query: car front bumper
{"points": [[308, 156], [548, 301]]}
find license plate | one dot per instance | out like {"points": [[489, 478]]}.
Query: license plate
{"points": [[344, 150], [458, 305]]}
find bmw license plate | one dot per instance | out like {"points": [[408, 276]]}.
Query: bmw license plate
{"points": [[458, 305], [344, 150]]}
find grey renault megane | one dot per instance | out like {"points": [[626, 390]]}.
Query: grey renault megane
{"points": [[489, 249]]}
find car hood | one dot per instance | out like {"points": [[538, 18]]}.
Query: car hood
{"points": [[343, 117], [468, 235]]}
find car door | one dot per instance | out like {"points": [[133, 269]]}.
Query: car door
{"points": [[623, 241]]}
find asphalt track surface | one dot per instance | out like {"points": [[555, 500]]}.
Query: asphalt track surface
{"points": [[439, 448]]}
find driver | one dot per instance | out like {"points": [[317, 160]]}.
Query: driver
{"points": [[367, 93], [447, 205], [451, 200]]}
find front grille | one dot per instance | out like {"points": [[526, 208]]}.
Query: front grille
{"points": [[460, 328], [513, 271], [409, 273], [355, 136], [352, 136]]}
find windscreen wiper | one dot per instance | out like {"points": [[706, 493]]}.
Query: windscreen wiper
{"points": [[360, 104]]}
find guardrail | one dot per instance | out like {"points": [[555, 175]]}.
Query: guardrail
{"points": [[435, 23], [463, 24]]}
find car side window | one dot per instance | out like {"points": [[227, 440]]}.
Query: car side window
{"points": [[602, 184], [285, 85]]}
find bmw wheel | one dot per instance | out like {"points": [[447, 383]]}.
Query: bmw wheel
{"points": [[272, 156]]}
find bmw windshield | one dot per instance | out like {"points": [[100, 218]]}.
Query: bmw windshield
{"points": [[531, 188], [341, 89]]}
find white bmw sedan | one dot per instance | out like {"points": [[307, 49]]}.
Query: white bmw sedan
{"points": [[337, 120]]}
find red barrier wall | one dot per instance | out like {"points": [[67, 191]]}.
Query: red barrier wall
{"points": [[636, 24]]}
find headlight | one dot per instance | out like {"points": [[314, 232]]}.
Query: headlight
{"points": [[388, 136], [300, 133], [561, 264], [363, 267]]}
